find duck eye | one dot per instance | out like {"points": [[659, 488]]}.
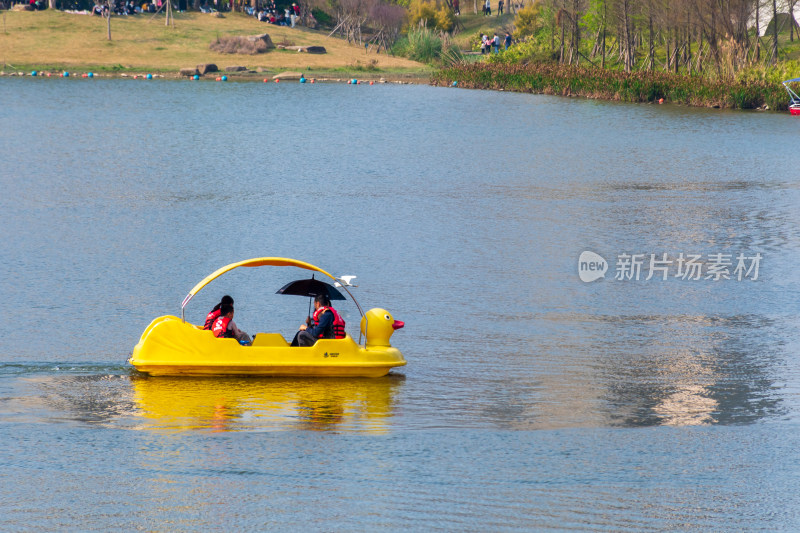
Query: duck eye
{"points": [[387, 317]]}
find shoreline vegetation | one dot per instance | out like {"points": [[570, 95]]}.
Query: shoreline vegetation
{"points": [[599, 83], [704, 53], [680, 55]]}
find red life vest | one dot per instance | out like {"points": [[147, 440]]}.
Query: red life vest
{"points": [[221, 326], [338, 322], [210, 318]]}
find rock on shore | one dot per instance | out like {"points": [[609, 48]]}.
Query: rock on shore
{"points": [[306, 49], [205, 68], [288, 75]]}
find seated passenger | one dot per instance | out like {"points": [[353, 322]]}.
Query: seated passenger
{"points": [[224, 327], [214, 314], [327, 324]]}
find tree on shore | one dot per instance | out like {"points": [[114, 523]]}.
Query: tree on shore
{"points": [[108, 18], [718, 37]]}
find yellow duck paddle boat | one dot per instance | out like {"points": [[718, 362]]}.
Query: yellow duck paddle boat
{"points": [[170, 346]]}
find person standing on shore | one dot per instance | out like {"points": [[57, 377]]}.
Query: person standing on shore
{"points": [[496, 43], [488, 8], [508, 40], [499, 8]]}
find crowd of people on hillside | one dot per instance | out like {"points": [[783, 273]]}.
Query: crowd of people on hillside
{"points": [[123, 7], [271, 14], [35, 5]]}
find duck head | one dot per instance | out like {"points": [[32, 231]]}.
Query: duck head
{"points": [[377, 325]]}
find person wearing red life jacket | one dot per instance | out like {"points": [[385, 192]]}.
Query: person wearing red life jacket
{"points": [[338, 322], [225, 327], [325, 324], [214, 314]]}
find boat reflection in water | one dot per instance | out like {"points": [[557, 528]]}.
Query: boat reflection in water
{"points": [[244, 404]]}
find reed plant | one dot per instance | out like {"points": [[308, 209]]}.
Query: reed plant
{"points": [[595, 82], [420, 44]]}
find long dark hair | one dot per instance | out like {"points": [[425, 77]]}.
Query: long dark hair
{"points": [[226, 300]]}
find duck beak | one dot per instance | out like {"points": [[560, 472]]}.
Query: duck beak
{"points": [[397, 324]]}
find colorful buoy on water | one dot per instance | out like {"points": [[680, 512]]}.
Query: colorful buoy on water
{"points": [[313, 80], [196, 77], [65, 74], [354, 82], [34, 73], [91, 74], [277, 80], [302, 80], [149, 76], [224, 78], [265, 80], [455, 84], [372, 83]]}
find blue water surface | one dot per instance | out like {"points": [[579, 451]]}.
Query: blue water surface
{"points": [[531, 400]]}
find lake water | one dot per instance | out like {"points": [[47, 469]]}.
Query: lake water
{"points": [[531, 400]]}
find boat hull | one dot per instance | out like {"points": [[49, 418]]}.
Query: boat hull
{"points": [[171, 347]]}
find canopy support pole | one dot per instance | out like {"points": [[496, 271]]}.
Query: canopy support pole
{"points": [[344, 286]]}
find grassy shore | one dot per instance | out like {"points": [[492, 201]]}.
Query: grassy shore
{"points": [[56, 40], [593, 82]]}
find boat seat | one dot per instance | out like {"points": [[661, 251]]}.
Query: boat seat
{"points": [[269, 339]]}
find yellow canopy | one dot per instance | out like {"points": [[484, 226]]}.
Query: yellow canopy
{"points": [[257, 262]]}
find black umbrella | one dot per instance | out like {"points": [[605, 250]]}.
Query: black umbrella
{"points": [[311, 287]]}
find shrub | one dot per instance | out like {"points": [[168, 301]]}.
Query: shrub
{"points": [[769, 74], [423, 13], [453, 56], [323, 18], [423, 45], [526, 21], [445, 19], [531, 51]]}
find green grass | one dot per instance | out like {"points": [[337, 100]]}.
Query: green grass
{"points": [[62, 41]]}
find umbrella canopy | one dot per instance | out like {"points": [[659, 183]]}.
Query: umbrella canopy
{"points": [[310, 287], [256, 262], [269, 261]]}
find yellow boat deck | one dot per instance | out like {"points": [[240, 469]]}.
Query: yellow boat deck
{"points": [[171, 347]]}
